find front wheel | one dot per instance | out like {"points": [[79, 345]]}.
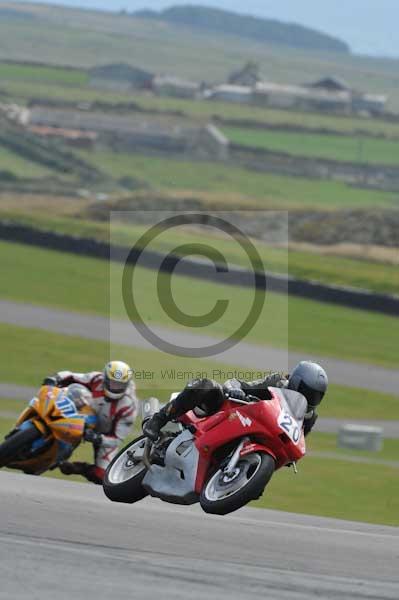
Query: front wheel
{"points": [[16, 443], [122, 479], [224, 493]]}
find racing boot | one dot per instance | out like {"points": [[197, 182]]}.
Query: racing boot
{"points": [[73, 468], [90, 472], [200, 392]]}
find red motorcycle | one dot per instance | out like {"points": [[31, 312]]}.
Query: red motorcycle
{"points": [[223, 461]]}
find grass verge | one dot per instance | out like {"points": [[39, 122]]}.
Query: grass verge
{"points": [[326, 442], [352, 403], [337, 489]]}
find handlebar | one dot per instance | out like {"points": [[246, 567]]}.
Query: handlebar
{"points": [[248, 399]]}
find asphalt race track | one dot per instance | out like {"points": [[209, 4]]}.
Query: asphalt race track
{"points": [[64, 540]]}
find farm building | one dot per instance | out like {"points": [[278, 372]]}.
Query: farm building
{"points": [[373, 104], [120, 77], [135, 133], [212, 142], [164, 85], [302, 98], [323, 101], [248, 76], [78, 138], [276, 96], [230, 93], [330, 84]]}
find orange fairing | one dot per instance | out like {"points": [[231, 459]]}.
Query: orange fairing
{"points": [[56, 416]]}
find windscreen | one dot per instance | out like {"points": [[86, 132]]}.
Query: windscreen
{"points": [[296, 402]]}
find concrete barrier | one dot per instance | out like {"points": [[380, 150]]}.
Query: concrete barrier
{"points": [[361, 437]]}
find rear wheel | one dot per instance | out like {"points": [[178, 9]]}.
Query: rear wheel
{"points": [[16, 444], [224, 493], [122, 480]]}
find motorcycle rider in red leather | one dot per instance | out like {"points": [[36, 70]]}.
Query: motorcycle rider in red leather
{"points": [[115, 403], [308, 378]]}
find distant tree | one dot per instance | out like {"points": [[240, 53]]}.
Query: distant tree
{"points": [[263, 30]]}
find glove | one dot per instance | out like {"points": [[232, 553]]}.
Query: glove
{"points": [[237, 394], [53, 381], [93, 437]]}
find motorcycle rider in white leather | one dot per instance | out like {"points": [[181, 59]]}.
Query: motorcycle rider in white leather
{"points": [[115, 403]]}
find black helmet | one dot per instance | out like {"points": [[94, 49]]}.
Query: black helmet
{"points": [[310, 380]]}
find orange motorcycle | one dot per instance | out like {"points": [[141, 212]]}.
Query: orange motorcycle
{"points": [[48, 430]]}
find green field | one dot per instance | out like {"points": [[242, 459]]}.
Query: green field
{"points": [[340, 148], [340, 332], [36, 74], [15, 164], [255, 189]]}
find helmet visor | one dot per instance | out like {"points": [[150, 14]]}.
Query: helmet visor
{"points": [[116, 387], [313, 397]]}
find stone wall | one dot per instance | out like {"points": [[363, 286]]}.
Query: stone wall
{"points": [[384, 177]]}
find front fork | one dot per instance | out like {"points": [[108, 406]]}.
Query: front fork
{"points": [[229, 468], [231, 465]]}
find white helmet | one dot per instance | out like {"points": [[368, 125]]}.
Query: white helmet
{"points": [[117, 376]]}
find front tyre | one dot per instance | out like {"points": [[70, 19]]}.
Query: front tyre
{"points": [[16, 444], [123, 477], [223, 494]]}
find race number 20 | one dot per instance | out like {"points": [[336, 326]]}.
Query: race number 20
{"points": [[290, 426]]}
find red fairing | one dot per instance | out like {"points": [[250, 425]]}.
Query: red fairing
{"points": [[262, 422]]}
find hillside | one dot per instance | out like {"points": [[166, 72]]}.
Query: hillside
{"points": [[83, 38], [261, 30]]}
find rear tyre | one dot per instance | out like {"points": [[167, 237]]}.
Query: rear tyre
{"points": [[19, 441], [223, 494], [123, 477]]}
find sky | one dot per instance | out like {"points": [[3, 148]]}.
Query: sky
{"points": [[369, 26]]}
